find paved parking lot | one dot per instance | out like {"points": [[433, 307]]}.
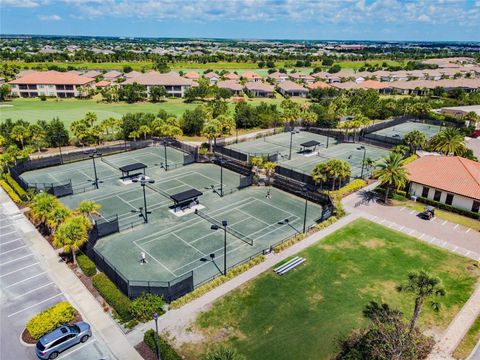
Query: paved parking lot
{"points": [[27, 289]]}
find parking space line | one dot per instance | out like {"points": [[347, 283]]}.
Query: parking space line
{"points": [[444, 222], [403, 208], [33, 290], [6, 252], [421, 236], [13, 272], [456, 226], [3, 227], [29, 278], [11, 232], [411, 232], [31, 306], [412, 212], [78, 348], [8, 242], [22, 257], [468, 230]]}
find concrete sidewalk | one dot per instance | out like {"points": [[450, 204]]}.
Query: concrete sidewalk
{"points": [[175, 322], [76, 293]]}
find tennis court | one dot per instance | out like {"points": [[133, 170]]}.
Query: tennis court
{"points": [[175, 246], [348, 152], [82, 172], [400, 130]]}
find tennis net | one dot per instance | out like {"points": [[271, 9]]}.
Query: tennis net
{"points": [[278, 144], [234, 232], [110, 164], [158, 190]]}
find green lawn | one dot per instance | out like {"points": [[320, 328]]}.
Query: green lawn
{"points": [[69, 110], [303, 314], [469, 341]]}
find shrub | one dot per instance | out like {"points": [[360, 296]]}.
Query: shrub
{"points": [[237, 270], [409, 159], [349, 188], [50, 319], [113, 296], [17, 188], [145, 305], [88, 266], [13, 195], [451, 208], [222, 352], [168, 352]]}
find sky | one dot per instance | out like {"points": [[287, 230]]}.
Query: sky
{"points": [[416, 20]]}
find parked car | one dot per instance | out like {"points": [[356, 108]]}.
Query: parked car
{"points": [[428, 213], [52, 344]]}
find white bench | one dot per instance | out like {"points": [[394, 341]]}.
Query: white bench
{"points": [[289, 265]]}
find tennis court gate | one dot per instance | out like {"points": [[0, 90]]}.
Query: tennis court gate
{"points": [[169, 290]]}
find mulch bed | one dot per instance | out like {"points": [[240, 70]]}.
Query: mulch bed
{"points": [[145, 351], [30, 340]]}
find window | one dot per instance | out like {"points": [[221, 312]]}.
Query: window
{"points": [[58, 342], [437, 195], [476, 206], [68, 87], [425, 192], [449, 199]]}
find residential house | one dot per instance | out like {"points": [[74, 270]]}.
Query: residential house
{"points": [[289, 88], [234, 86], [102, 84], [451, 180], [192, 75], [259, 89], [212, 77], [112, 75], [133, 74], [92, 74], [231, 76], [277, 77], [318, 85], [251, 76], [302, 78], [50, 83], [172, 81]]}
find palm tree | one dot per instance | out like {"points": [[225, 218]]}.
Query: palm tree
{"points": [[134, 135], [20, 133], [423, 286], [145, 130], [415, 140], [58, 215], [320, 173], [269, 168], [211, 131], [88, 208], [391, 172], [338, 169], [43, 206], [72, 234], [449, 141], [369, 163], [37, 135]]}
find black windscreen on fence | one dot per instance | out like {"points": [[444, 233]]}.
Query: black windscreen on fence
{"points": [[232, 153], [107, 226], [246, 181], [58, 190]]}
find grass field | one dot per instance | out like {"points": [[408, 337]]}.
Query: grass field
{"points": [[187, 66], [69, 110], [303, 314], [469, 341]]}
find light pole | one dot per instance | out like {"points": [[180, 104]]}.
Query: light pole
{"points": [[305, 192], [92, 155], [291, 141], [165, 148], [157, 345], [143, 182], [328, 137], [212, 259], [364, 154], [221, 161], [216, 227]]}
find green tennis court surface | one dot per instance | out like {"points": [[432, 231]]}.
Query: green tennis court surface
{"points": [[399, 131], [82, 173], [305, 162]]}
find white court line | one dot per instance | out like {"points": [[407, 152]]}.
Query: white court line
{"points": [[78, 348], [126, 202], [22, 257], [209, 234], [23, 268], [250, 216], [186, 243], [8, 242], [6, 252], [38, 303], [87, 176], [33, 290], [154, 258], [29, 278]]}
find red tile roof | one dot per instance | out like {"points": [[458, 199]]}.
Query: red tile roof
{"points": [[373, 84], [449, 173], [103, 83], [231, 76], [318, 85], [192, 75], [52, 78], [155, 78]]}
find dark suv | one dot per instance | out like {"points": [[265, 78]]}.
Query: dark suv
{"points": [[61, 339]]}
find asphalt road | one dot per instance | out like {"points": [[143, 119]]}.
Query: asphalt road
{"points": [[26, 289]]}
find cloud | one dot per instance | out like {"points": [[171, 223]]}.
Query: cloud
{"points": [[20, 3], [49, 17]]}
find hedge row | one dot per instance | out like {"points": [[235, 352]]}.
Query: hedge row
{"points": [[410, 159], [113, 296], [451, 208], [13, 195], [167, 352], [17, 188], [88, 266], [355, 185], [237, 270], [50, 319]]}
